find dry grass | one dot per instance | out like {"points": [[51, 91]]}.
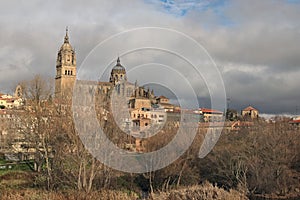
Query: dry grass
{"points": [[16, 179], [32, 194], [201, 192]]}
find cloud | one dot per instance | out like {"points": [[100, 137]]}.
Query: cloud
{"points": [[256, 46], [13, 65]]}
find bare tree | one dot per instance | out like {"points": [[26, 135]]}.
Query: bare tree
{"points": [[35, 122], [73, 164]]}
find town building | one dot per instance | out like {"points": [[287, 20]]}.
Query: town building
{"points": [[295, 122], [250, 113], [164, 103], [10, 102], [211, 115], [145, 116]]}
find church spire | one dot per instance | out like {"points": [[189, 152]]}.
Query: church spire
{"points": [[118, 61], [67, 36]]}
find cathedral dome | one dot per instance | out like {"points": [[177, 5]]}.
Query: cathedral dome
{"points": [[118, 73], [118, 66]]}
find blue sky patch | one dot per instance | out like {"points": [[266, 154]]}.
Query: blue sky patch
{"points": [[180, 8]]}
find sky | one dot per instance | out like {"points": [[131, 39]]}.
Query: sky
{"points": [[255, 46]]}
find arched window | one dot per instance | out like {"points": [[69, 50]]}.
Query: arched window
{"points": [[66, 72], [71, 72]]}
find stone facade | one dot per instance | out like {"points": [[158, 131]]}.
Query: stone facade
{"points": [[250, 112], [138, 103]]}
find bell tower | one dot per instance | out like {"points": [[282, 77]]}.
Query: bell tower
{"points": [[65, 70]]}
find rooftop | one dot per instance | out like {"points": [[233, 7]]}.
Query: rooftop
{"points": [[249, 108], [118, 66], [207, 110]]}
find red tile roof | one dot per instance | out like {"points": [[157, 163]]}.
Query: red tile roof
{"points": [[162, 97], [295, 121], [12, 99], [249, 108], [207, 110]]}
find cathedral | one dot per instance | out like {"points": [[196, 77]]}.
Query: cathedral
{"points": [[144, 107], [66, 76]]}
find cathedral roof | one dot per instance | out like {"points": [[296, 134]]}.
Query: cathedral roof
{"points": [[66, 45], [118, 66]]}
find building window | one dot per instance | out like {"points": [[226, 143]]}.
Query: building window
{"points": [[71, 72], [66, 72]]}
